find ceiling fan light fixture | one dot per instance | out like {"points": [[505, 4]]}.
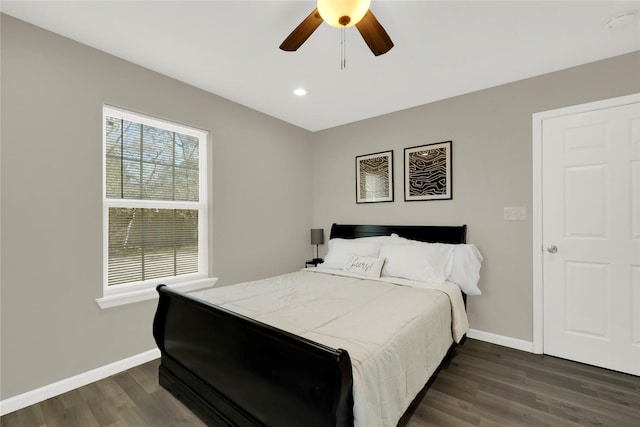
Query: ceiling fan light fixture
{"points": [[343, 13]]}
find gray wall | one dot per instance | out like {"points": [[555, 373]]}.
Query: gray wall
{"points": [[53, 90], [491, 132]]}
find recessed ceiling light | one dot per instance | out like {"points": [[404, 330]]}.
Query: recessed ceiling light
{"points": [[620, 20], [300, 92]]}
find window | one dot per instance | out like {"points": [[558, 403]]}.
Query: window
{"points": [[154, 206]]}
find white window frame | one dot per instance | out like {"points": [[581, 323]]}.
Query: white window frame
{"points": [[126, 293]]}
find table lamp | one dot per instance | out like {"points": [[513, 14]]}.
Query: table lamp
{"points": [[317, 238]]}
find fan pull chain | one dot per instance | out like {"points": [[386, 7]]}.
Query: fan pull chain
{"points": [[343, 51]]}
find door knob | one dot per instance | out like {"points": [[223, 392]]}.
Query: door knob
{"points": [[552, 249]]}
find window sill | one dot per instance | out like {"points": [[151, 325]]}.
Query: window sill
{"points": [[151, 293]]}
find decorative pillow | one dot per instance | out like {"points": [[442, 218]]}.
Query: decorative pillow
{"points": [[339, 250], [422, 262], [364, 266]]}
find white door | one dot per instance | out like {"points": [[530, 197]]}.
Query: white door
{"points": [[591, 237]]}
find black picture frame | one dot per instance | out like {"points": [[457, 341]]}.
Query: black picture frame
{"points": [[374, 177], [428, 171]]}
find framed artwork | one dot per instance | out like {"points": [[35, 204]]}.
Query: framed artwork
{"points": [[427, 172], [374, 177]]}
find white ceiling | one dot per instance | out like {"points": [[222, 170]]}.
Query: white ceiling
{"points": [[442, 48]]}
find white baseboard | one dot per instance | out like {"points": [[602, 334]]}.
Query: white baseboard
{"points": [[501, 340], [43, 393]]}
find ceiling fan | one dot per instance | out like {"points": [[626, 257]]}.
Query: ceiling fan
{"points": [[342, 14]]}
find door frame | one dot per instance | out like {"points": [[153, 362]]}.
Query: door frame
{"points": [[538, 248]]}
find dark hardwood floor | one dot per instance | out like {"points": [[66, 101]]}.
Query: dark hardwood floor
{"points": [[483, 385]]}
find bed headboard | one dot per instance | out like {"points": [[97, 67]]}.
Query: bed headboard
{"points": [[424, 233]]}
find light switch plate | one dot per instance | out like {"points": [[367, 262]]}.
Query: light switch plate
{"points": [[515, 213]]}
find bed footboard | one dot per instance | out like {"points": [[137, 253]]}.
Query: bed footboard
{"points": [[234, 371]]}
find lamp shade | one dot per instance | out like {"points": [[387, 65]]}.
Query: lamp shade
{"points": [[317, 236], [343, 13]]}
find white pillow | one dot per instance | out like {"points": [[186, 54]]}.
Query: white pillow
{"points": [[364, 266], [422, 262], [466, 268], [395, 238], [467, 260], [339, 250]]}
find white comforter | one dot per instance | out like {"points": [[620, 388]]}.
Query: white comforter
{"points": [[395, 331]]}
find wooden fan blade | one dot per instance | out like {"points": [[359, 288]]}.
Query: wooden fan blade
{"points": [[374, 35], [302, 32]]}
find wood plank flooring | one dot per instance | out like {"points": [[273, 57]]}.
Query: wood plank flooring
{"points": [[483, 385]]}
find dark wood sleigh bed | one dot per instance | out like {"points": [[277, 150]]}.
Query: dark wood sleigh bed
{"points": [[234, 371]]}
